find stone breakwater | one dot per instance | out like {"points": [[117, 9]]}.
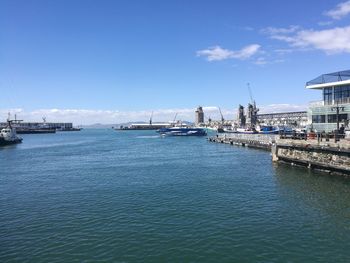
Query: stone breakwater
{"points": [[326, 156]]}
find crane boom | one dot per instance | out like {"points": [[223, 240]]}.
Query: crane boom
{"points": [[222, 116], [250, 93], [175, 117]]}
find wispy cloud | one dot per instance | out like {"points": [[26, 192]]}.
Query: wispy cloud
{"points": [[331, 41], [340, 11], [279, 30], [325, 23], [260, 61], [282, 51], [218, 53]]}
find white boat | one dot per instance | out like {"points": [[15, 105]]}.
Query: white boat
{"points": [[247, 131], [182, 131], [9, 136]]}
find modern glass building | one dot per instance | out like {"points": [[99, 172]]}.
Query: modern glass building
{"points": [[335, 89]]}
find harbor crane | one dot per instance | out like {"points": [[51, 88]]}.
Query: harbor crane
{"points": [[250, 94], [175, 117], [222, 116]]}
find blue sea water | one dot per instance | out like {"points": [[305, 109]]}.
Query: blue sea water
{"points": [[132, 196]]}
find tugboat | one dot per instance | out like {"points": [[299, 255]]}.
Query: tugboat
{"points": [[8, 135]]}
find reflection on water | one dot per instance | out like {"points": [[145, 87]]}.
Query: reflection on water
{"points": [[325, 197]]}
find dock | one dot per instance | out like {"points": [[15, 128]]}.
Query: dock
{"points": [[329, 156], [333, 157], [259, 141]]}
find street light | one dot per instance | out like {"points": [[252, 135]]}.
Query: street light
{"points": [[337, 109]]}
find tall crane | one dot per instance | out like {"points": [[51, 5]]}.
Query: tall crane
{"points": [[222, 116], [250, 94], [175, 117]]}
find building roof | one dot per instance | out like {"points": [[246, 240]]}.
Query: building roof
{"points": [[329, 79]]}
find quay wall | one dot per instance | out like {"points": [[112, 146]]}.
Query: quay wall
{"points": [[261, 141], [333, 157], [330, 157]]}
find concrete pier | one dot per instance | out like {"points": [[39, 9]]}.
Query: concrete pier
{"points": [[260, 141], [333, 157], [327, 156]]}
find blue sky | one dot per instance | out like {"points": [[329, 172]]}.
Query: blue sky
{"points": [[111, 61]]}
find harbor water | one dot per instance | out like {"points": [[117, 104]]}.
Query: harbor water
{"points": [[133, 196]]}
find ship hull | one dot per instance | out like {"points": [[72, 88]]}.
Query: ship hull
{"points": [[4, 142], [182, 132]]}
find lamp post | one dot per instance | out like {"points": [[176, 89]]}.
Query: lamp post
{"points": [[337, 109]]}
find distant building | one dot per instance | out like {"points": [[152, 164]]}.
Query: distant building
{"points": [[34, 125], [199, 118], [251, 119], [241, 116], [296, 119], [335, 89]]}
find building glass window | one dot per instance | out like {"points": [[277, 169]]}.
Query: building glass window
{"points": [[318, 118], [328, 95], [333, 118], [342, 94]]}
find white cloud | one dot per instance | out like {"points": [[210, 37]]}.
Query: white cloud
{"points": [[340, 11], [217, 53], [276, 108], [86, 117], [331, 41], [335, 40]]}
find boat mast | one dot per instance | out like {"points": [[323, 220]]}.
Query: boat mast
{"points": [[150, 119]]}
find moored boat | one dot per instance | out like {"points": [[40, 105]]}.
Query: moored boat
{"points": [[246, 131], [9, 136], [269, 130], [182, 131]]}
